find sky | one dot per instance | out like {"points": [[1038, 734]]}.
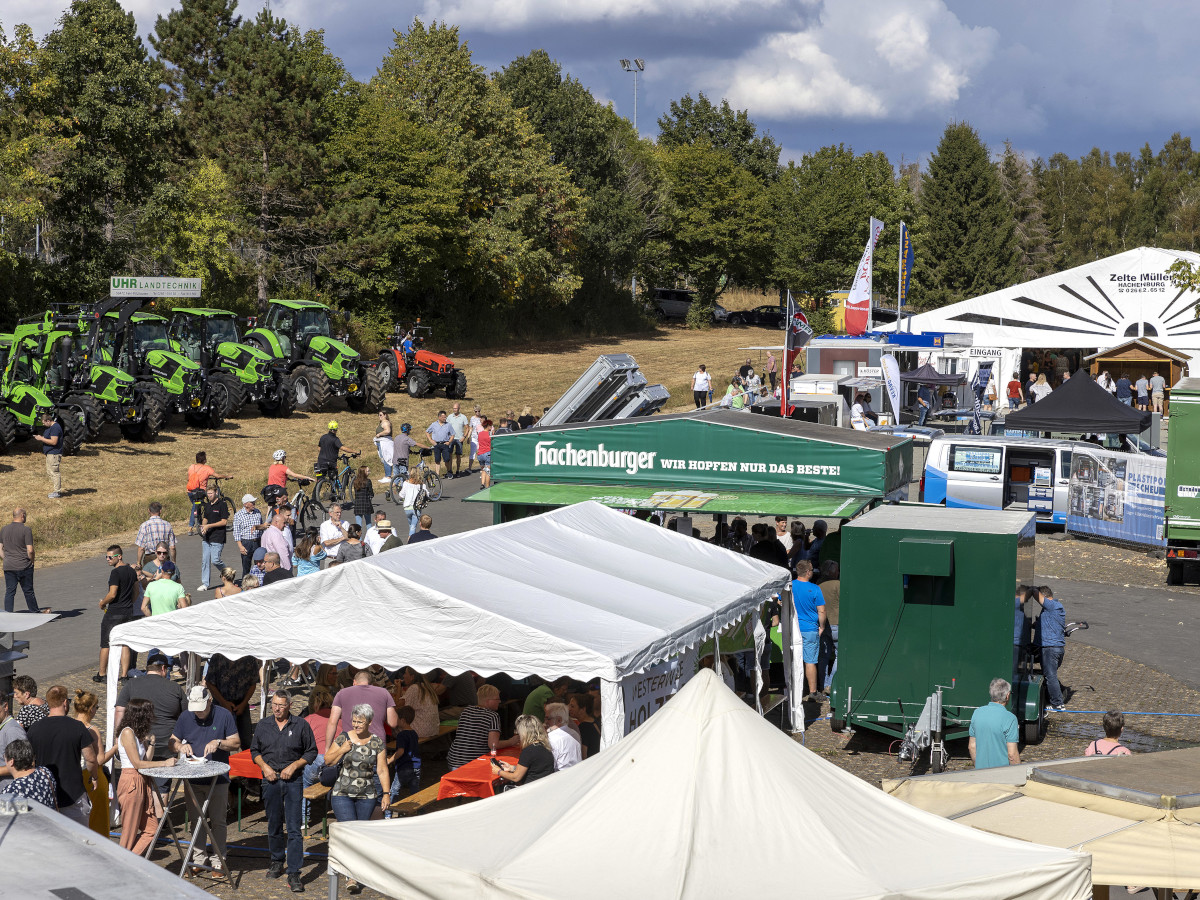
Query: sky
{"points": [[874, 75]]}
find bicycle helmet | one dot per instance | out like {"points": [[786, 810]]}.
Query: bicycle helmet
{"points": [[332, 426], [405, 428], [279, 455]]}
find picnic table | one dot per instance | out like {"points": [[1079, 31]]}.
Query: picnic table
{"points": [[474, 779]]}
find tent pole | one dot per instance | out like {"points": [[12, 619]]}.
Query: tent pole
{"points": [[333, 885]]}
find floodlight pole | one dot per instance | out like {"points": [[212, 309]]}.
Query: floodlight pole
{"points": [[634, 66]]}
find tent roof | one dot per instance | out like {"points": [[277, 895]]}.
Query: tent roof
{"points": [[1080, 405], [1098, 304], [927, 374], [581, 591], [681, 803]]}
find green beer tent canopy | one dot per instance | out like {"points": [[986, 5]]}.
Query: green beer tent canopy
{"points": [[716, 461]]}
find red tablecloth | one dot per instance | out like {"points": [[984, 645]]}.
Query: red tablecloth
{"points": [[471, 780], [242, 766]]}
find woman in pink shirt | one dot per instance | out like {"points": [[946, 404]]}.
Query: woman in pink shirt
{"points": [[1110, 744]]}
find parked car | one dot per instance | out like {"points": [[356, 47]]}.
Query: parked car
{"points": [[674, 303], [765, 316]]}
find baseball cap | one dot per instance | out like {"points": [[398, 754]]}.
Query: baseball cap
{"points": [[156, 659], [198, 697], [332, 426], [168, 567], [259, 554], [248, 498]]}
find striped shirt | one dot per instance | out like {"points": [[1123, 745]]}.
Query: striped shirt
{"points": [[471, 739], [153, 531], [245, 522]]}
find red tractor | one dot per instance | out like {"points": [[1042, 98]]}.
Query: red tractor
{"points": [[414, 368]]}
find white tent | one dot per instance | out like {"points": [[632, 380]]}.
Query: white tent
{"points": [[583, 591], [706, 800], [1094, 306]]}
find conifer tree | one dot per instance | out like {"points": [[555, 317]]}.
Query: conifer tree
{"points": [[970, 245], [1020, 188]]}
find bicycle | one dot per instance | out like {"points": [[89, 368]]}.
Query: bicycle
{"points": [[429, 478], [334, 487], [309, 512]]}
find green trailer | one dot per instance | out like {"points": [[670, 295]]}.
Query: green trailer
{"points": [[1182, 527], [927, 621]]}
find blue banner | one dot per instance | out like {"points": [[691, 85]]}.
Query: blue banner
{"points": [[1117, 495], [906, 262]]}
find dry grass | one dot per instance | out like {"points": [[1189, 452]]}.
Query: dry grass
{"points": [[109, 484], [739, 298]]}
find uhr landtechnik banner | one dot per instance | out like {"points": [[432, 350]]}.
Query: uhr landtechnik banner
{"points": [[1120, 496]]}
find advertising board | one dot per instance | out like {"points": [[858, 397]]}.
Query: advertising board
{"points": [[1117, 495]]}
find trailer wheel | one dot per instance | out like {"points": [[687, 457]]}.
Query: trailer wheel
{"points": [[1174, 572], [1034, 731], [837, 726], [937, 760]]}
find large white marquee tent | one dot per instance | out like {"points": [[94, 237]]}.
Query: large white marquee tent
{"points": [[582, 591], [705, 800], [1094, 306]]}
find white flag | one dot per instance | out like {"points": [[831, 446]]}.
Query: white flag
{"points": [[858, 304], [891, 379]]}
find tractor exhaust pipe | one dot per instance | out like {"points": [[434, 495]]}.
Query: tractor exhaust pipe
{"points": [[64, 363]]}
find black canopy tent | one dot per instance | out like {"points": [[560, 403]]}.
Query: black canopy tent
{"points": [[1080, 405], [927, 374]]}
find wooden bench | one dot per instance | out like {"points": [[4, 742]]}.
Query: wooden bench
{"points": [[414, 803], [317, 792], [443, 730]]}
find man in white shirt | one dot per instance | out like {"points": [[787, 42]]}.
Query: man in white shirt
{"points": [[564, 744], [333, 533], [701, 385], [373, 539], [462, 432]]}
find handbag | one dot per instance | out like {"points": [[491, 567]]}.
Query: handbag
{"points": [[328, 774]]}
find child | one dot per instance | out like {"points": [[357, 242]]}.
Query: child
{"points": [[364, 495], [1110, 744], [406, 759]]}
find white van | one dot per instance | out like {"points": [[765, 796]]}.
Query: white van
{"points": [[996, 472]]}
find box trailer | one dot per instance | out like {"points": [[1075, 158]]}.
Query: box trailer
{"points": [[1182, 502]]}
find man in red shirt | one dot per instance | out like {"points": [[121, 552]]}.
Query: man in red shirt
{"points": [[1014, 391]]}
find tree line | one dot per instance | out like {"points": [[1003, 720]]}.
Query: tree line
{"points": [[495, 206]]}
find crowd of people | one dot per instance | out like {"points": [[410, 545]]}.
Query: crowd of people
{"points": [[746, 386]]}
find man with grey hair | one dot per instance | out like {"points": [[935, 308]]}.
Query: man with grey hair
{"points": [[994, 730], [564, 743], [17, 541]]}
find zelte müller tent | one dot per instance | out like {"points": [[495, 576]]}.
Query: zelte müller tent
{"points": [[1080, 405], [705, 800]]}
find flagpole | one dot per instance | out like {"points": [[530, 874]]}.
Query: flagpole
{"points": [[899, 274]]}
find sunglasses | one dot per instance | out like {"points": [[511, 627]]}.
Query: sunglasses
{"points": [[160, 552], [110, 556]]}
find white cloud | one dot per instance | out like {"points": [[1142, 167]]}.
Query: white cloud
{"points": [[872, 59], [505, 15]]}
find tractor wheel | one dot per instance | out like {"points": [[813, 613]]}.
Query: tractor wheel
{"points": [[312, 388], [285, 400], [458, 389], [237, 393], [387, 362], [73, 422], [8, 430], [154, 415], [378, 379], [210, 420], [94, 420], [418, 383]]}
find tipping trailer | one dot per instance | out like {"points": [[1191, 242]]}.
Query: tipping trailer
{"points": [[1182, 502], [606, 391]]}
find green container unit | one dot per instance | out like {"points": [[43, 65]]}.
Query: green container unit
{"points": [[928, 599], [1183, 483]]}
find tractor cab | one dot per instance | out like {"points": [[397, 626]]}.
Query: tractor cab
{"points": [[198, 333]]}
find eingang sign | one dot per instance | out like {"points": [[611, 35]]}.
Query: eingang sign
{"points": [[153, 286]]}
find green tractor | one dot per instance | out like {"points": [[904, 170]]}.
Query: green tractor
{"points": [[298, 333], [42, 372], [138, 342], [210, 338]]}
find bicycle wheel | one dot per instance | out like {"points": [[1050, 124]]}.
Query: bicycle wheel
{"points": [[346, 480], [393, 491], [323, 491], [433, 484], [310, 515]]}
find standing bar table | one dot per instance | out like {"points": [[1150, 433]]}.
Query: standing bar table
{"points": [[184, 773]]}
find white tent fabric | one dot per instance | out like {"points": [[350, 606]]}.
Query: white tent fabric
{"points": [[706, 799], [1097, 305], [583, 591]]}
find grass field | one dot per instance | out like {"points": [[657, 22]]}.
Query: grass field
{"points": [[108, 485]]}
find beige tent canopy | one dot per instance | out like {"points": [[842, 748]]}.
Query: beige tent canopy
{"points": [[1137, 815], [705, 800]]}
